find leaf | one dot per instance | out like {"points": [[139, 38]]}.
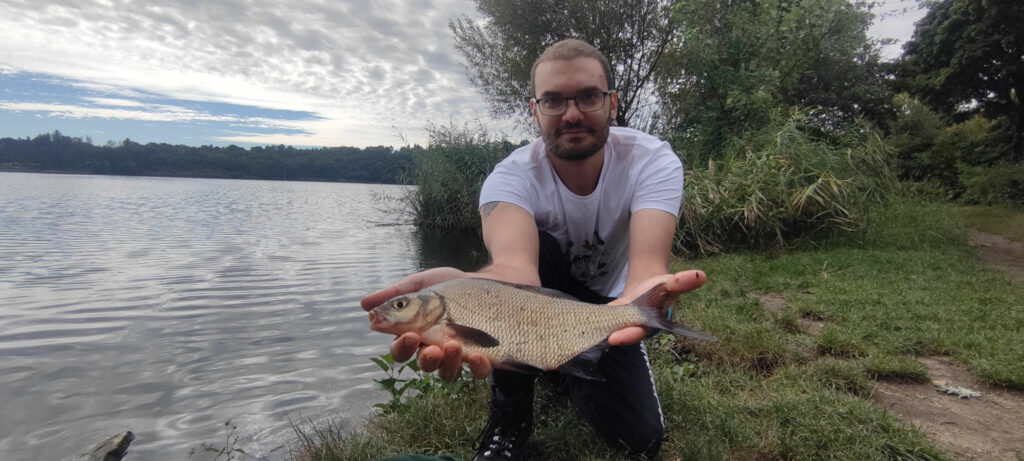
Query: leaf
{"points": [[380, 363]]}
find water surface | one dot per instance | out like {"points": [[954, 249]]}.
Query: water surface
{"points": [[167, 306]]}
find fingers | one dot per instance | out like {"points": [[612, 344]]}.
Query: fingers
{"points": [[411, 284], [447, 361], [479, 365], [626, 336], [405, 346], [686, 281], [451, 362]]}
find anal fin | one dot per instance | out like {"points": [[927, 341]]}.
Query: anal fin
{"points": [[585, 365]]}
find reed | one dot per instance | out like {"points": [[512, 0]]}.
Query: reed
{"points": [[781, 184]]}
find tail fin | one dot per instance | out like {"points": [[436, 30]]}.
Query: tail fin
{"points": [[649, 304]]}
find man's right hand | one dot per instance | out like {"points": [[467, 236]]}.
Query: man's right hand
{"points": [[447, 360]]}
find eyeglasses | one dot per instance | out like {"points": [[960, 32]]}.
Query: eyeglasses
{"points": [[585, 102]]}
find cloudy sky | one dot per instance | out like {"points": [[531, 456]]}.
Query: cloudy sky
{"points": [[303, 72]]}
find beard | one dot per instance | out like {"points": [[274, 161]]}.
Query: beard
{"points": [[593, 141]]}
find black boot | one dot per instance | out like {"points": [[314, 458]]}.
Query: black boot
{"points": [[510, 422]]}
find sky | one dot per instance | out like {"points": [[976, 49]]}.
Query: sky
{"points": [[251, 72]]}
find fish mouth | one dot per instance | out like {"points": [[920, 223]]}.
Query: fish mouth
{"points": [[378, 322]]}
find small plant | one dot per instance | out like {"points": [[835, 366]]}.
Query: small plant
{"points": [[229, 451], [397, 386]]}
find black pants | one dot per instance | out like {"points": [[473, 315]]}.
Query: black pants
{"points": [[625, 408]]}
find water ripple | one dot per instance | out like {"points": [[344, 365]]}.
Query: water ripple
{"points": [[167, 306]]}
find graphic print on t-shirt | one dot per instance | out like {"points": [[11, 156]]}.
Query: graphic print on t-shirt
{"points": [[588, 260]]}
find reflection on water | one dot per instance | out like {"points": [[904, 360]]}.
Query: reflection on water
{"points": [[167, 306], [466, 252]]}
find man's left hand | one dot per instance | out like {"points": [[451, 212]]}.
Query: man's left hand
{"points": [[677, 284]]}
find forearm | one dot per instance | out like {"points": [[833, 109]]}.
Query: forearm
{"points": [[508, 273]]}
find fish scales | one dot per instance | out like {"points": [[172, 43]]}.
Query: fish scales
{"points": [[533, 328]]}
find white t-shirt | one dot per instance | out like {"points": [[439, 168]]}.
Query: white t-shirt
{"points": [[639, 172]]}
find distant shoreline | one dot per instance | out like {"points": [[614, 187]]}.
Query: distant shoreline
{"points": [[9, 169]]}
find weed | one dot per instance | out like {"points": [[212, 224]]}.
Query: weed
{"points": [[229, 451], [397, 386]]}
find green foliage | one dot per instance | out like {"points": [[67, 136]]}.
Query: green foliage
{"points": [[1001, 183], [736, 62], [397, 386], [967, 161], [449, 174], [500, 52], [913, 131], [57, 152], [965, 59], [782, 183]]}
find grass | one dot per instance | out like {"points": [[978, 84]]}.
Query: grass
{"points": [[1003, 221], [905, 286]]}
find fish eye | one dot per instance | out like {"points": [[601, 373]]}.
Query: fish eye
{"points": [[401, 303]]}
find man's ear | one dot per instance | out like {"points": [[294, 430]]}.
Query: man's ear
{"points": [[614, 112], [533, 110]]}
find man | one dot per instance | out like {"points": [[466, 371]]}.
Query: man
{"points": [[586, 209]]}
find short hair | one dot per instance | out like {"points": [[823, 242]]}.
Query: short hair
{"points": [[571, 49]]}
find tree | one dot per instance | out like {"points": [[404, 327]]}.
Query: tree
{"points": [[966, 57], [736, 62], [499, 53]]}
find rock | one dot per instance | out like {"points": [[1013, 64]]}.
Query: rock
{"points": [[112, 449]]}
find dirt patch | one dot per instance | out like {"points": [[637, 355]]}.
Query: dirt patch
{"points": [[988, 427], [776, 304], [1000, 252]]}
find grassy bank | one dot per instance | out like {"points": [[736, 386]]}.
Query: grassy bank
{"points": [[904, 287]]}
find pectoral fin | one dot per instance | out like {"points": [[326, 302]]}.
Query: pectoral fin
{"points": [[473, 336]]}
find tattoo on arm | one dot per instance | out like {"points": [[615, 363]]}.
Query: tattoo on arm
{"points": [[486, 210]]}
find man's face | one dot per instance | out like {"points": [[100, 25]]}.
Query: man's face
{"points": [[573, 135]]}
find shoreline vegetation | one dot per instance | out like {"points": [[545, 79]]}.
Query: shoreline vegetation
{"points": [[791, 380]]}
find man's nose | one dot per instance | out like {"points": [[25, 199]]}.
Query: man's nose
{"points": [[572, 111]]}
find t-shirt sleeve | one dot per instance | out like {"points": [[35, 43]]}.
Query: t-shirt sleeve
{"points": [[659, 183], [506, 184]]}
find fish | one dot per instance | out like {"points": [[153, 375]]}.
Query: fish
{"points": [[521, 328]]}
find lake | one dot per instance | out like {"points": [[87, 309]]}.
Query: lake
{"points": [[168, 306]]}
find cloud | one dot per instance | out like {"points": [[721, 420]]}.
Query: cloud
{"points": [[377, 64], [147, 112]]}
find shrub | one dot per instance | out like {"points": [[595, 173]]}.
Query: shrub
{"points": [[449, 174], [1000, 184], [782, 183]]}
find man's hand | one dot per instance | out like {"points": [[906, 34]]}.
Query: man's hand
{"points": [[678, 283], [447, 359]]}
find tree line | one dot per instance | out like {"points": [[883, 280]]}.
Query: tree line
{"points": [[56, 152]]}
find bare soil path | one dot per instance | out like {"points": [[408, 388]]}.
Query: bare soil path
{"points": [[985, 427], [988, 427], [1000, 252]]}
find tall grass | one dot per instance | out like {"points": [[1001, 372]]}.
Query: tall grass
{"points": [[782, 183], [449, 174]]}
